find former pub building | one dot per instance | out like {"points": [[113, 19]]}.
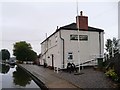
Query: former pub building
{"points": [[75, 43]]}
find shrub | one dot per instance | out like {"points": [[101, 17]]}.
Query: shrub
{"points": [[112, 74]]}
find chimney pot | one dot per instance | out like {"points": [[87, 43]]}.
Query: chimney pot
{"points": [[81, 13]]}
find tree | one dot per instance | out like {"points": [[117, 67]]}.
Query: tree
{"points": [[115, 45], [32, 55], [23, 51], [5, 54], [109, 46], [112, 44]]}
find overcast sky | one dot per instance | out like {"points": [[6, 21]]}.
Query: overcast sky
{"points": [[29, 21]]}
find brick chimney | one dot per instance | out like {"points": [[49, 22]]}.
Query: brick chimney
{"points": [[82, 21]]}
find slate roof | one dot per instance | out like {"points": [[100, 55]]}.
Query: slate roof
{"points": [[73, 26]]}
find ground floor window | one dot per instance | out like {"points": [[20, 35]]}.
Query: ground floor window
{"points": [[70, 55]]}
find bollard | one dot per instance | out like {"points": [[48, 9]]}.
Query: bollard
{"points": [[82, 67], [54, 69], [57, 69]]}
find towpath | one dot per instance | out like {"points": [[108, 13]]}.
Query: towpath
{"points": [[89, 79]]}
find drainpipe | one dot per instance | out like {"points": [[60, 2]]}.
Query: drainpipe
{"points": [[100, 42], [63, 48]]}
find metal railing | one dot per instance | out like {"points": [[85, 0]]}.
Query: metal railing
{"points": [[93, 61]]}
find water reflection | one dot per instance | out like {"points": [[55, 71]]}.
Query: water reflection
{"points": [[20, 77], [4, 68], [14, 77]]}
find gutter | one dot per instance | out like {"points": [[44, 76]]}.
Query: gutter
{"points": [[63, 48]]}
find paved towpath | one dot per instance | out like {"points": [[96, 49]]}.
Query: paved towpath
{"points": [[48, 77], [90, 79]]}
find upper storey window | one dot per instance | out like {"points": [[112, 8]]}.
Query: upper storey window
{"points": [[81, 37]]}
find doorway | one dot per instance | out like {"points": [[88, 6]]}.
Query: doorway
{"points": [[52, 61]]}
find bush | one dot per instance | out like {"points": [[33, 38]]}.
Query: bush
{"points": [[112, 74]]}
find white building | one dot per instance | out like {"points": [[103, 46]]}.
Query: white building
{"points": [[63, 46]]}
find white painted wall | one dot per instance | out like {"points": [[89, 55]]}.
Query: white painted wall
{"points": [[88, 49], [53, 47]]}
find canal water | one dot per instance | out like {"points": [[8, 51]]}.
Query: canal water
{"points": [[15, 77]]}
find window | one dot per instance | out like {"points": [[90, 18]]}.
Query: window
{"points": [[56, 38], [73, 37], [81, 37], [70, 55]]}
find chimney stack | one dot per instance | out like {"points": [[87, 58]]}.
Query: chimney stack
{"points": [[82, 21]]}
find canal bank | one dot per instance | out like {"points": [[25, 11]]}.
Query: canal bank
{"points": [[47, 78]]}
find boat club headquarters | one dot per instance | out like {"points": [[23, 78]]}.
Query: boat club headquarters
{"points": [[63, 46]]}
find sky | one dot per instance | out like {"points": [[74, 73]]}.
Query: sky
{"points": [[30, 20]]}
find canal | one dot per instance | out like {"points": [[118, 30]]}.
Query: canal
{"points": [[15, 77]]}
